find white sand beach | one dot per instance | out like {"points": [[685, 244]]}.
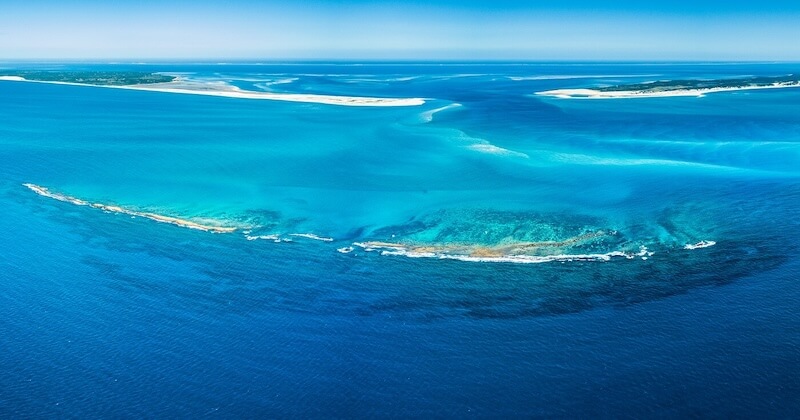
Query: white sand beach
{"points": [[621, 94], [225, 90]]}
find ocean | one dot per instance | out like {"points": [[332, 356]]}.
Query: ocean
{"points": [[490, 253]]}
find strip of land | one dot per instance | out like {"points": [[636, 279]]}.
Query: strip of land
{"points": [[671, 88], [171, 84], [229, 91], [97, 78]]}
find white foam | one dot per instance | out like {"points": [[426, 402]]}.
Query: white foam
{"points": [[403, 79], [266, 85], [345, 250], [699, 245], [427, 116], [277, 238], [311, 236], [373, 246], [274, 238], [282, 81], [580, 159], [579, 76], [495, 150], [60, 197]]}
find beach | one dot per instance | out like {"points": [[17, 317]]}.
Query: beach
{"points": [[620, 94], [228, 91]]}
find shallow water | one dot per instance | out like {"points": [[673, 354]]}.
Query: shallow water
{"points": [[108, 314]]}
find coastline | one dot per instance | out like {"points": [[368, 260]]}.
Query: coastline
{"points": [[584, 93], [228, 91]]}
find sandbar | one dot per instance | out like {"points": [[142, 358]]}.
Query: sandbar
{"points": [[622, 94], [225, 90]]}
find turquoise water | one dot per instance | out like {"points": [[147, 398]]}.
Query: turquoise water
{"points": [[108, 314]]}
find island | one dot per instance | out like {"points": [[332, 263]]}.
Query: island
{"points": [[691, 87], [99, 78]]}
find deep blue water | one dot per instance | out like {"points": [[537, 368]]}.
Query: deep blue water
{"points": [[104, 315]]}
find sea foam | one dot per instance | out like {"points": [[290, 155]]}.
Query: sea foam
{"points": [[311, 236], [427, 116], [699, 245]]}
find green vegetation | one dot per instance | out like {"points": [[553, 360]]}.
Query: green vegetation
{"points": [[105, 78], [672, 85]]}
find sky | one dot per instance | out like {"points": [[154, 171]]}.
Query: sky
{"points": [[400, 30]]}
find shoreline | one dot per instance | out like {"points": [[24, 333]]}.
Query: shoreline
{"points": [[224, 90], [584, 93]]}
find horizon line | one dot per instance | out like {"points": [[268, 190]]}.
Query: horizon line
{"points": [[357, 60]]}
